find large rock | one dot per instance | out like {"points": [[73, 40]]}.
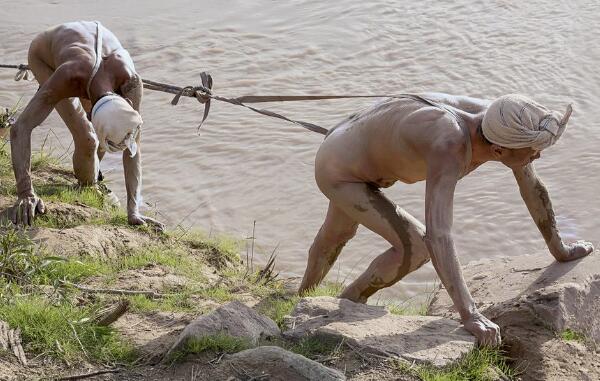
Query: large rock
{"points": [[234, 319], [277, 364], [423, 339], [533, 298]]}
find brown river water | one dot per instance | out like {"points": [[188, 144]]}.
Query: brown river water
{"points": [[244, 167]]}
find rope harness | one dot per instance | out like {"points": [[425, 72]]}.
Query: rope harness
{"points": [[203, 93]]}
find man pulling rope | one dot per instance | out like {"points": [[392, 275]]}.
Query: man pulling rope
{"points": [[438, 138], [84, 73]]}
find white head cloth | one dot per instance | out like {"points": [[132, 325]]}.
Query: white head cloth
{"points": [[515, 121], [116, 123]]}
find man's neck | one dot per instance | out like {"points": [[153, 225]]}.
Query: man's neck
{"points": [[479, 146], [106, 80]]}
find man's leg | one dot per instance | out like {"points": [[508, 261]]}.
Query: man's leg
{"points": [[369, 206], [337, 229], [85, 161]]}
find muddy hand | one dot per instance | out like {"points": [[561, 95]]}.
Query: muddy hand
{"points": [[485, 331], [138, 219], [26, 208], [577, 250]]}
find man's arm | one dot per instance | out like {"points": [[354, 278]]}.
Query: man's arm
{"points": [[132, 166], [534, 193], [37, 110], [442, 176]]}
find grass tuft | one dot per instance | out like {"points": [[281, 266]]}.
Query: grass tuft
{"points": [[180, 302], [315, 347], [277, 308], [571, 335], [63, 331], [219, 343], [219, 251], [326, 289], [482, 364], [407, 310], [42, 160]]}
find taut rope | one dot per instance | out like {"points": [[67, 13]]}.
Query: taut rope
{"points": [[203, 93]]}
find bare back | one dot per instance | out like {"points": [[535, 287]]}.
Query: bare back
{"points": [[394, 139], [74, 44]]}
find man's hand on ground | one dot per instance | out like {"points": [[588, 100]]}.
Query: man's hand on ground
{"points": [[485, 331], [26, 208], [138, 219], [576, 250]]}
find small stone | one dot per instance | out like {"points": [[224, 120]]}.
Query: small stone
{"points": [[233, 319], [373, 329], [277, 364]]}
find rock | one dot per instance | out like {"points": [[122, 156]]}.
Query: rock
{"points": [[279, 365], [93, 240], [234, 319], [532, 298], [373, 329]]}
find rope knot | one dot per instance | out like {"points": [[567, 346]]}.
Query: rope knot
{"points": [[24, 73], [202, 93]]}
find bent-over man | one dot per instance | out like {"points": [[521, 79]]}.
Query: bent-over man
{"points": [[82, 68], [438, 138]]}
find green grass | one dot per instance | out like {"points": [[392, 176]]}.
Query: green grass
{"points": [[19, 260], [7, 183], [53, 325], [277, 308], [314, 347], [5, 162], [8, 114], [411, 310], [219, 343], [73, 270], [220, 251], [478, 365], [277, 305], [180, 302], [220, 294], [88, 196], [42, 160], [571, 335], [63, 331], [326, 289], [72, 195], [176, 258]]}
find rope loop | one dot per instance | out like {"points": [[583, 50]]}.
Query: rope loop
{"points": [[24, 73]]}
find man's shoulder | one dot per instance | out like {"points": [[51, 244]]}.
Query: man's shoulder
{"points": [[466, 103]]}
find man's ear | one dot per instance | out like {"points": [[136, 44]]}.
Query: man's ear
{"points": [[498, 152]]}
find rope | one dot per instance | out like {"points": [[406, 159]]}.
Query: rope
{"points": [[203, 93]]}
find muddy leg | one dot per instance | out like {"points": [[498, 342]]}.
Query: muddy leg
{"points": [[337, 229], [85, 160], [86, 163], [369, 206]]}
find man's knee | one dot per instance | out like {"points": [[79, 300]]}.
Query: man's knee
{"points": [[87, 145], [85, 160]]}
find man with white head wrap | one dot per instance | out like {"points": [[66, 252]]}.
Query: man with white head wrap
{"points": [[514, 121], [81, 65], [438, 138], [117, 124]]}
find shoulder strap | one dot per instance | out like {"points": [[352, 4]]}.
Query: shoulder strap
{"points": [[98, 57], [464, 129]]}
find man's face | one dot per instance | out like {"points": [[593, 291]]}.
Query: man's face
{"points": [[520, 157]]}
